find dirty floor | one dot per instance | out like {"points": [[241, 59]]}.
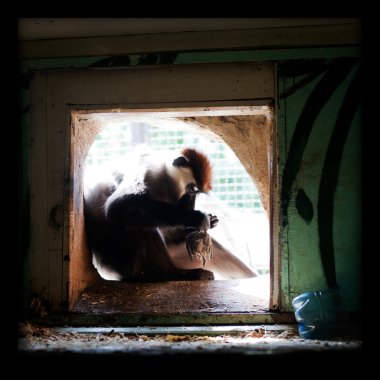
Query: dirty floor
{"points": [[114, 297], [153, 341]]}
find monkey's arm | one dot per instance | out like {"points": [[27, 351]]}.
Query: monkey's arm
{"points": [[141, 211]]}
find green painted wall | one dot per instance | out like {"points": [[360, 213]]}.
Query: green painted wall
{"points": [[311, 130], [320, 145]]}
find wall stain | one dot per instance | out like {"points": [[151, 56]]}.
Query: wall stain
{"points": [[304, 206], [318, 98], [305, 123], [329, 177], [303, 82]]}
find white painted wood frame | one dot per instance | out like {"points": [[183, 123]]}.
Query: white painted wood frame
{"points": [[58, 96]]}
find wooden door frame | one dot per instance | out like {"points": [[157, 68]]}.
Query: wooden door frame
{"points": [[57, 95]]}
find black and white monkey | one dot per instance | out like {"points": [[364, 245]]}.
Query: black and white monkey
{"points": [[136, 225]]}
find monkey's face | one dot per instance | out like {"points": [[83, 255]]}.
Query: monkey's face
{"points": [[188, 199], [183, 179], [192, 173], [170, 181]]}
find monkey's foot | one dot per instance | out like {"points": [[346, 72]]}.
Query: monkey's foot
{"points": [[198, 244], [197, 274]]}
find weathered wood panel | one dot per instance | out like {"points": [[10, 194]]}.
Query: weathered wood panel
{"points": [[112, 89], [39, 265], [274, 220], [284, 37], [55, 278], [58, 191], [57, 149], [81, 272]]}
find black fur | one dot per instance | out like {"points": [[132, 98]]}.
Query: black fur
{"points": [[127, 222], [137, 225]]}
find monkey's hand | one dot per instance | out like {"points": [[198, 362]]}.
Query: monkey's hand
{"points": [[198, 244], [208, 221], [205, 222], [213, 220]]}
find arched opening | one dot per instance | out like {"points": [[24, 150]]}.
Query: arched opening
{"points": [[241, 191], [234, 198]]}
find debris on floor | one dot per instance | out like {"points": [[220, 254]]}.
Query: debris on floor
{"points": [[261, 340]]}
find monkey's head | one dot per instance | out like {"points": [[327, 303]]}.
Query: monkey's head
{"points": [[179, 180], [192, 173], [198, 166]]}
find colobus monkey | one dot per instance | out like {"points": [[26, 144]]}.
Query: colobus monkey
{"points": [[136, 224]]}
